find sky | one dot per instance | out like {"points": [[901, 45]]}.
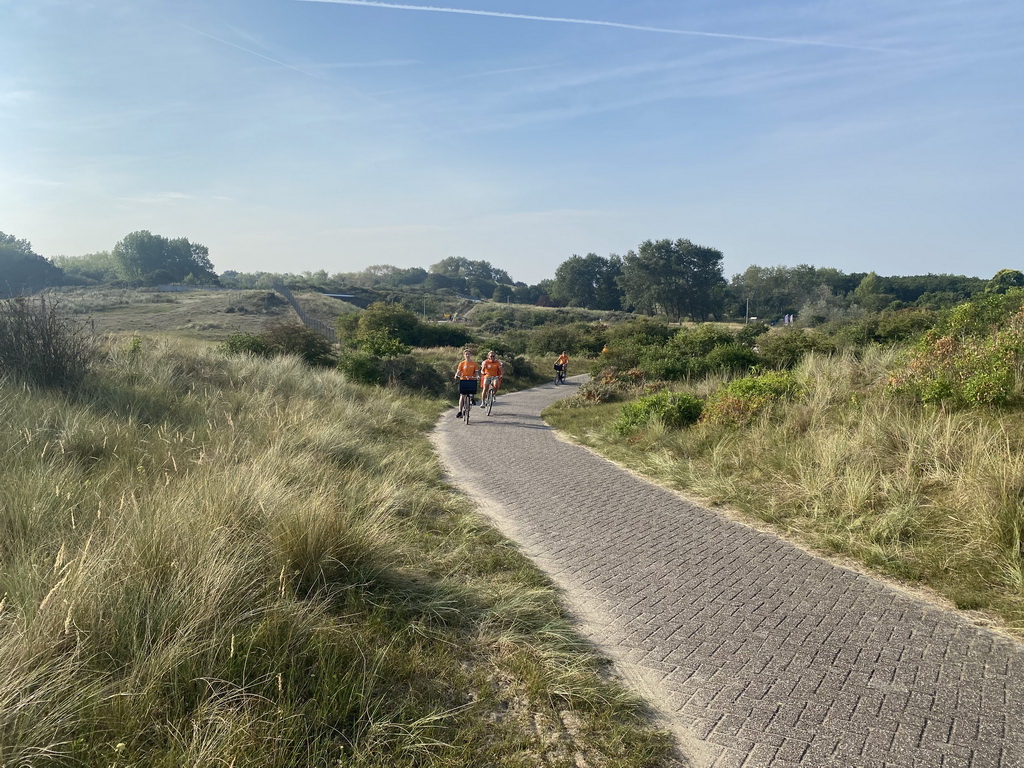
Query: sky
{"points": [[307, 135]]}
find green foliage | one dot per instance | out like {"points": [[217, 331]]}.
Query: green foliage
{"points": [[361, 367], [390, 329], [975, 357], [731, 357], [290, 337], [740, 400], [22, 270], [442, 335], [248, 344], [148, 259], [382, 344], [583, 339], [675, 278], [392, 320], [403, 371], [675, 410], [1004, 280], [887, 327], [42, 344], [751, 332], [784, 348], [589, 281]]}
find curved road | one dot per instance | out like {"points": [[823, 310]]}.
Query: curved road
{"points": [[755, 653]]}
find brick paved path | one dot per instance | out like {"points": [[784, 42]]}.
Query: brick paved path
{"points": [[756, 653]]}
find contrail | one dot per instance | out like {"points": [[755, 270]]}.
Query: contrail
{"points": [[593, 22], [249, 50]]}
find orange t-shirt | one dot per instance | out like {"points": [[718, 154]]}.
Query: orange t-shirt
{"points": [[468, 369], [492, 368]]}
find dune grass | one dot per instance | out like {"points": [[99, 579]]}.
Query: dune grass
{"points": [[216, 560], [926, 495]]}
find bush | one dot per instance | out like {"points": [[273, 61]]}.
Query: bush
{"points": [[783, 349], [731, 358], [290, 337], [442, 335], [361, 367], [584, 339], [248, 344], [976, 357], [601, 390], [382, 344], [42, 344], [409, 373], [403, 371], [740, 400], [674, 410]]}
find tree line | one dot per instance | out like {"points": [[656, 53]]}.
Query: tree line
{"points": [[677, 279]]}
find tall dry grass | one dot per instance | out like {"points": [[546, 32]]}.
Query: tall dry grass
{"points": [[210, 560]]}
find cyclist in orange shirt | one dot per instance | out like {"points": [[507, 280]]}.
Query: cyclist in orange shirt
{"points": [[467, 374], [490, 374], [562, 367]]}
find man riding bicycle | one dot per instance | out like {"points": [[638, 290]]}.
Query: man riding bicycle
{"points": [[562, 367], [490, 374]]}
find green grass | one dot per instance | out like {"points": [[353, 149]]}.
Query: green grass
{"points": [[208, 559], [927, 496]]}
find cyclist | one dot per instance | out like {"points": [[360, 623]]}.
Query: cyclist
{"points": [[562, 366], [467, 374], [490, 374]]}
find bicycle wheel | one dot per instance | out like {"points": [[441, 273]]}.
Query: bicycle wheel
{"points": [[467, 409], [490, 401]]}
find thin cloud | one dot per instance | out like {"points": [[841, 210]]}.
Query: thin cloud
{"points": [[249, 50], [597, 23]]}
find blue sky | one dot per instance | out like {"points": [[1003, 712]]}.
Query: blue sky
{"points": [[295, 135]]}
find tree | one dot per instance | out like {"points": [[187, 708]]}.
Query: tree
{"points": [[22, 270], [575, 280], [142, 257], [88, 269], [674, 278], [870, 294], [1005, 279], [390, 320]]}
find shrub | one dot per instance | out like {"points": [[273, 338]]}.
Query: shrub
{"points": [[42, 344], [596, 390], [408, 372], [361, 367], [382, 344], [576, 338], [738, 401], [290, 337], [442, 335], [398, 371], [785, 348], [247, 343], [700, 340], [675, 410], [975, 358], [730, 358]]}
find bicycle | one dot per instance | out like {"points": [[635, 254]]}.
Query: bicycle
{"points": [[559, 374], [489, 395], [467, 388]]}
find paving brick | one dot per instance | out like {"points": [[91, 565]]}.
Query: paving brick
{"points": [[770, 656]]}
